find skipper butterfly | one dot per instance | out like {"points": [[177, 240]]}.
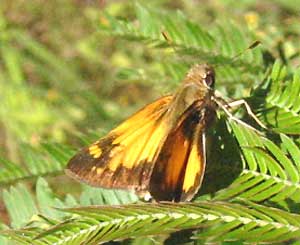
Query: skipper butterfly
{"points": [[160, 149]]}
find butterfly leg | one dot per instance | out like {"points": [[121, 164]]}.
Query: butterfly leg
{"points": [[222, 103], [248, 109], [226, 106]]}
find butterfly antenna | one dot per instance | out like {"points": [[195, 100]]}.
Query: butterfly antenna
{"points": [[172, 45], [168, 39], [250, 47]]}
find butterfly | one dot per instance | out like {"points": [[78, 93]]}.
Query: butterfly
{"points": [[160, 149]]}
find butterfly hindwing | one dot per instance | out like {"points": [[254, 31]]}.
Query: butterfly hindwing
{"points": [[125, 157], [179, 168]]}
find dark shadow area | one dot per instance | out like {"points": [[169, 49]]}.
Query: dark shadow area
{"points": [[223, 159], [180, 237]]}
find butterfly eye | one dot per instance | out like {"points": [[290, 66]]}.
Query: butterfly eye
{"points": [[210, 79]]}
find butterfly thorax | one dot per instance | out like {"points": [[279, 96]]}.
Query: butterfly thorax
{"points": [[197, 87]]}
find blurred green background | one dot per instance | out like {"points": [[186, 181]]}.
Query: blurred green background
{"points": [[66, 70], [60, 73]]}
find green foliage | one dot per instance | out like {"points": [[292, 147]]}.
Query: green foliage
{"points": [[50, 85], [19, 195], [217, 46], [281, 109], [222, 221], [37, 163], [268, 173]]}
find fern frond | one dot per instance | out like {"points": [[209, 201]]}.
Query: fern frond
{"points": [[23, 207], [9, 171], [22, 236], [25, 210], [47, 200], [99, 196], [36, 163], [215, 46], [227, 221], [268, 172], [4, 240], [15, 198], [280, 101]]}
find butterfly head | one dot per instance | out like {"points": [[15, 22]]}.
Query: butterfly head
{"points": [[203, 74]]}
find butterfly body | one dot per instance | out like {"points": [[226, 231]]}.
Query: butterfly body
{"points": [[160, 149]]}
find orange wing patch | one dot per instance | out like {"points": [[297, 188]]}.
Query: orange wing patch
{"points": [[125, 157], [95, 151], [195, 166], [180, 166]]}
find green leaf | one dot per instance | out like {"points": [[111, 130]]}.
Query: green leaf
{"points": [[24, 208], [37, 163], [9, 171], [279, 106], [268, 173], [47, 200], [100, 196], [4, 240], [215, 47], [221, 221], [20, 205]]}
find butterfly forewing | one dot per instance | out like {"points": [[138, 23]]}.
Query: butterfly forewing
{"points": [[124, 158]]}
